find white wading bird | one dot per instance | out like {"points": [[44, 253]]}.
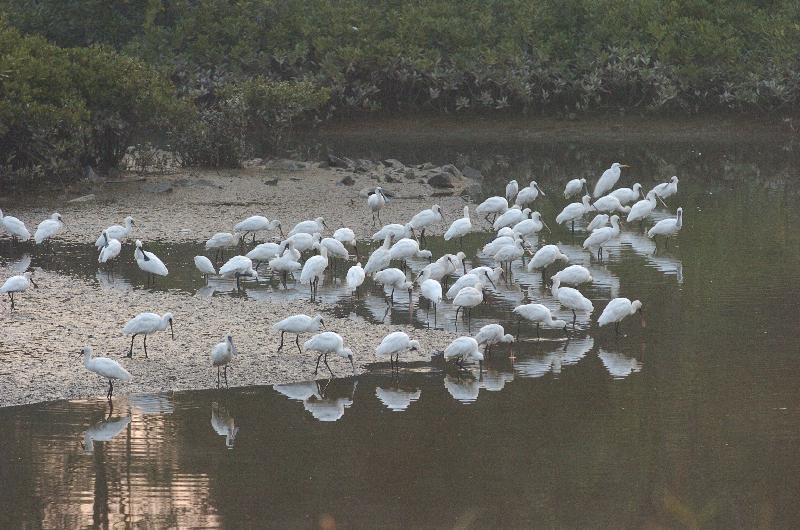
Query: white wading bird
{"points": [[302, 241], [464, 349], [393, 345], [285, 264], [539, 314], [616, 310], [600, 220], [329, 342], [493, 334], [380, 257], [573, 211], [149, 262], [264, 252], [432, 291], [628, 195], [466, 299], [491, 248], [473, 278], [608, 180], [396, 279], [573, 275], [48, 228], [110, 250], [17, 284], [531, 227], [376, 201], [492, 206], [120, 233], [609, 203], [238, 267], [666, 189], [571, 299], [105, 368], [544, 257], [397, 231], [575, 187], [220, 241], [407, 248], [602, 236], [424, 219], [512, 188], [147, 324], [355, 277], [667, 228], [221, 355], [317, 226], [529, 194], [459, 228], [643, 208], [298, 324], [257, 223], [347, 238], [15, 227], [314, 269], [204, 265], [512, 216]]}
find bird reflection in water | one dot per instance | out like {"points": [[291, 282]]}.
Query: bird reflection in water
{"points": [[103, 431], [223, 424], [319, 398], [395, 397], [618, 365]]}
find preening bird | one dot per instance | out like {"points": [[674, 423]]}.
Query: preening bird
{"points": [[118, 232], [628, 195], [492, 206], [110, 250], [407, 248], [573, 275], [238, 267], [285, 264], [149, 262], [600, 220], [347, 238], [204, 265], [608, 180], [616, 310], [105, 368], [431, 290], [48, 228], [329, 342], [298, 324], [264, 252], [544, 257], [609, 203], [394, 344], [17, 284], [666, 189], [146, 324], [643, 208], [464, 349], [380, 257], [459, 228], [355, 277], [14, 226], [303, 241], [222, 354], [575, 187], [512, 188]]}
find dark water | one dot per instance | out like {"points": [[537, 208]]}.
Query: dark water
{"points": [[691, 419]]}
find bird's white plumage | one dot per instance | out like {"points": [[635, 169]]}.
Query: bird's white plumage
{"points": [[407, 248], [460, 227], [14, 226], [299, 324], [329, 342], [397, 231], [48, 228], [573, 275], [256, 223], [345, 236], [667, 189], [223, 352], [110, 251], [314, 267], [607, 180], [601, 236], [546, 256], [264, 252], [667, 227], [609, 203], [530, 227], [512, 188], [539, 314], [627, 195], [104, 367], [571, 298], [492, 205], [432, 290], [149, 262], [392, 277], [574, 187], [355, 276], [465, 348], [492, 334], [222, 240], [204, 265], [600, 220], [380, 257], [643, 208], [529, 194], [574, 210], [17, 284], [317, 226], [238, 266], [469, 296], [335, 248], [617, 309], [426, 217], [147, 323], [285, 263], [118, 232], [511, 217], [396, 343]]}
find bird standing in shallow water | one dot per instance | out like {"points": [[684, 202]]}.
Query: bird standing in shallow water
{"points": [[667, 228], [118, 232], [149, 262], [608, 179], [394, 344], [15, 227], [48, 228], [493, 334], [459, 228], [616, 310]]}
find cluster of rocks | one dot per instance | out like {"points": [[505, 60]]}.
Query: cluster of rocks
{"points": [[394, 171]]}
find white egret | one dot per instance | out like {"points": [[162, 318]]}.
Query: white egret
{"points": [[512, 216], [529, 194], [394, 278], [459, 228], [105, 368], [238, 267], [348, 238], [575, 187], [493, 334], [149, 262], [573, 275], [573, 211], [643, 208], [546, 256], [531, 227], [628, 195], [616, 310], [48, 228], [600, 220], [666, 189], [602, 236], [329, 342], [376, 201], [17, 284], [298, 324], [264, 252], [257, 223], [571, 299], [118, 232], [204, 265], [667, 227], [464, 349], [317, 226], [285, 264], [608, 180], [110, 250], [512, 188], [394, 344], [380, 257], [313, 270], [220, 241], [355, 277], [466, 299], [492, 206], [609, 203], [431, 290], [424, 219], [539, 314], [147, 324], [221, 354], [14, 226]]}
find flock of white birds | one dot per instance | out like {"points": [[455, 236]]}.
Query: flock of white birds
{"points": [[515, 226]]}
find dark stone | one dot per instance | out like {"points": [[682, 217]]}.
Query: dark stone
{"points": [[453, 170], [273, 182], [394, 163], [442, 180], [471, 173], [347, 181], [391, 179], [410, 174], [324, 164], [442, 194], [335, 161]]}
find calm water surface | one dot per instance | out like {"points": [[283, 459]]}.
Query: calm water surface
{"points": [[691, 419]]}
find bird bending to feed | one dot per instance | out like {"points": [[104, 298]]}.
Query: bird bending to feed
{"points": [[539, 314], [313, 270], [492, 206], [394, 344], [602, 236], [531, 227], [512, 188], [257, 223], [317, 226], [303, 241], [544, 257], [608, 179], [609, 203], [110, 250], [298, 324], [573, 275], [118, 232], [571, 299], [396, 279], [407, 248], [264, 252], [512, 216], [220, 241], [336, 248], [424, 219], [376, 201], [149, 262], [574, 187], [616, 310], [147, 324], [628, 195], [14, 226], [666, 189], [48, 228], [529, 194], [104, 367], [355, 277], [474, 277], [459, 228], [398, 231], [329, 342], [221, 354], [285, 264], [17, 284], [348, 238], [204, 265], [573, 211], [667, 227], [493, 334], [238, 267], [464, 349]]}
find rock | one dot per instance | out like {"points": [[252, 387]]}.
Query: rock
{"points": [[347, 181], [471, 173], [391, 179], [427, 165], [335, 161], [85, 198], [160, 187], [453, 170], [363, 166], [410, 174], [394, 163], [442, 180], [442, 194], [273, 182]]}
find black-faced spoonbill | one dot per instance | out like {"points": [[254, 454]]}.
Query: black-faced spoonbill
{"points": [[17, 284], [221, 354], [317, 226], [667, 228], [540, 315], [494, 334], [608, 179], [393, 345], [459, 228], [512, 188], [666, 189], [110, 250], [220, 241], [492, 206], [238, 267], [616, 310], [147, 324], [643, 208], [571, 299], [329, 342], [544, 257], [628, 195], [432, 291], [529, 194], [205, 266], [347, 238], [574, 187], [149, 262], [464, 349], [15, 227], [466, 299], [376, 201], [355, 277], [396, 279], [106, 368], [512, 216], [314, 269], [602, 236], [573, 211], [298, 324], [118, 232], [48, 228], [424, 219], [257, 223]]}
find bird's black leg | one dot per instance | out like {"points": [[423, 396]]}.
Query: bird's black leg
{"points": [[130, 352], [225, 374], [325, 359], [11, 295], [316, 368], [573, 227], [217, 376], [616, 328], [518, 321], [110, 389], [281, 346], [574, 318], [391, 296], [297, 341], [537, 331], [145, 346]]}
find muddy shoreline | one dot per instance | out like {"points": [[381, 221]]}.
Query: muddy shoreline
{"points": [[41, 340]]}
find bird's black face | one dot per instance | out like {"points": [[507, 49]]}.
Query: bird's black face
{"points": [[414, 348], [322, 323], [34, 284]]}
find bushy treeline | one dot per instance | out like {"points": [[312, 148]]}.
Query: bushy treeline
{"points": [[219, 64]]}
